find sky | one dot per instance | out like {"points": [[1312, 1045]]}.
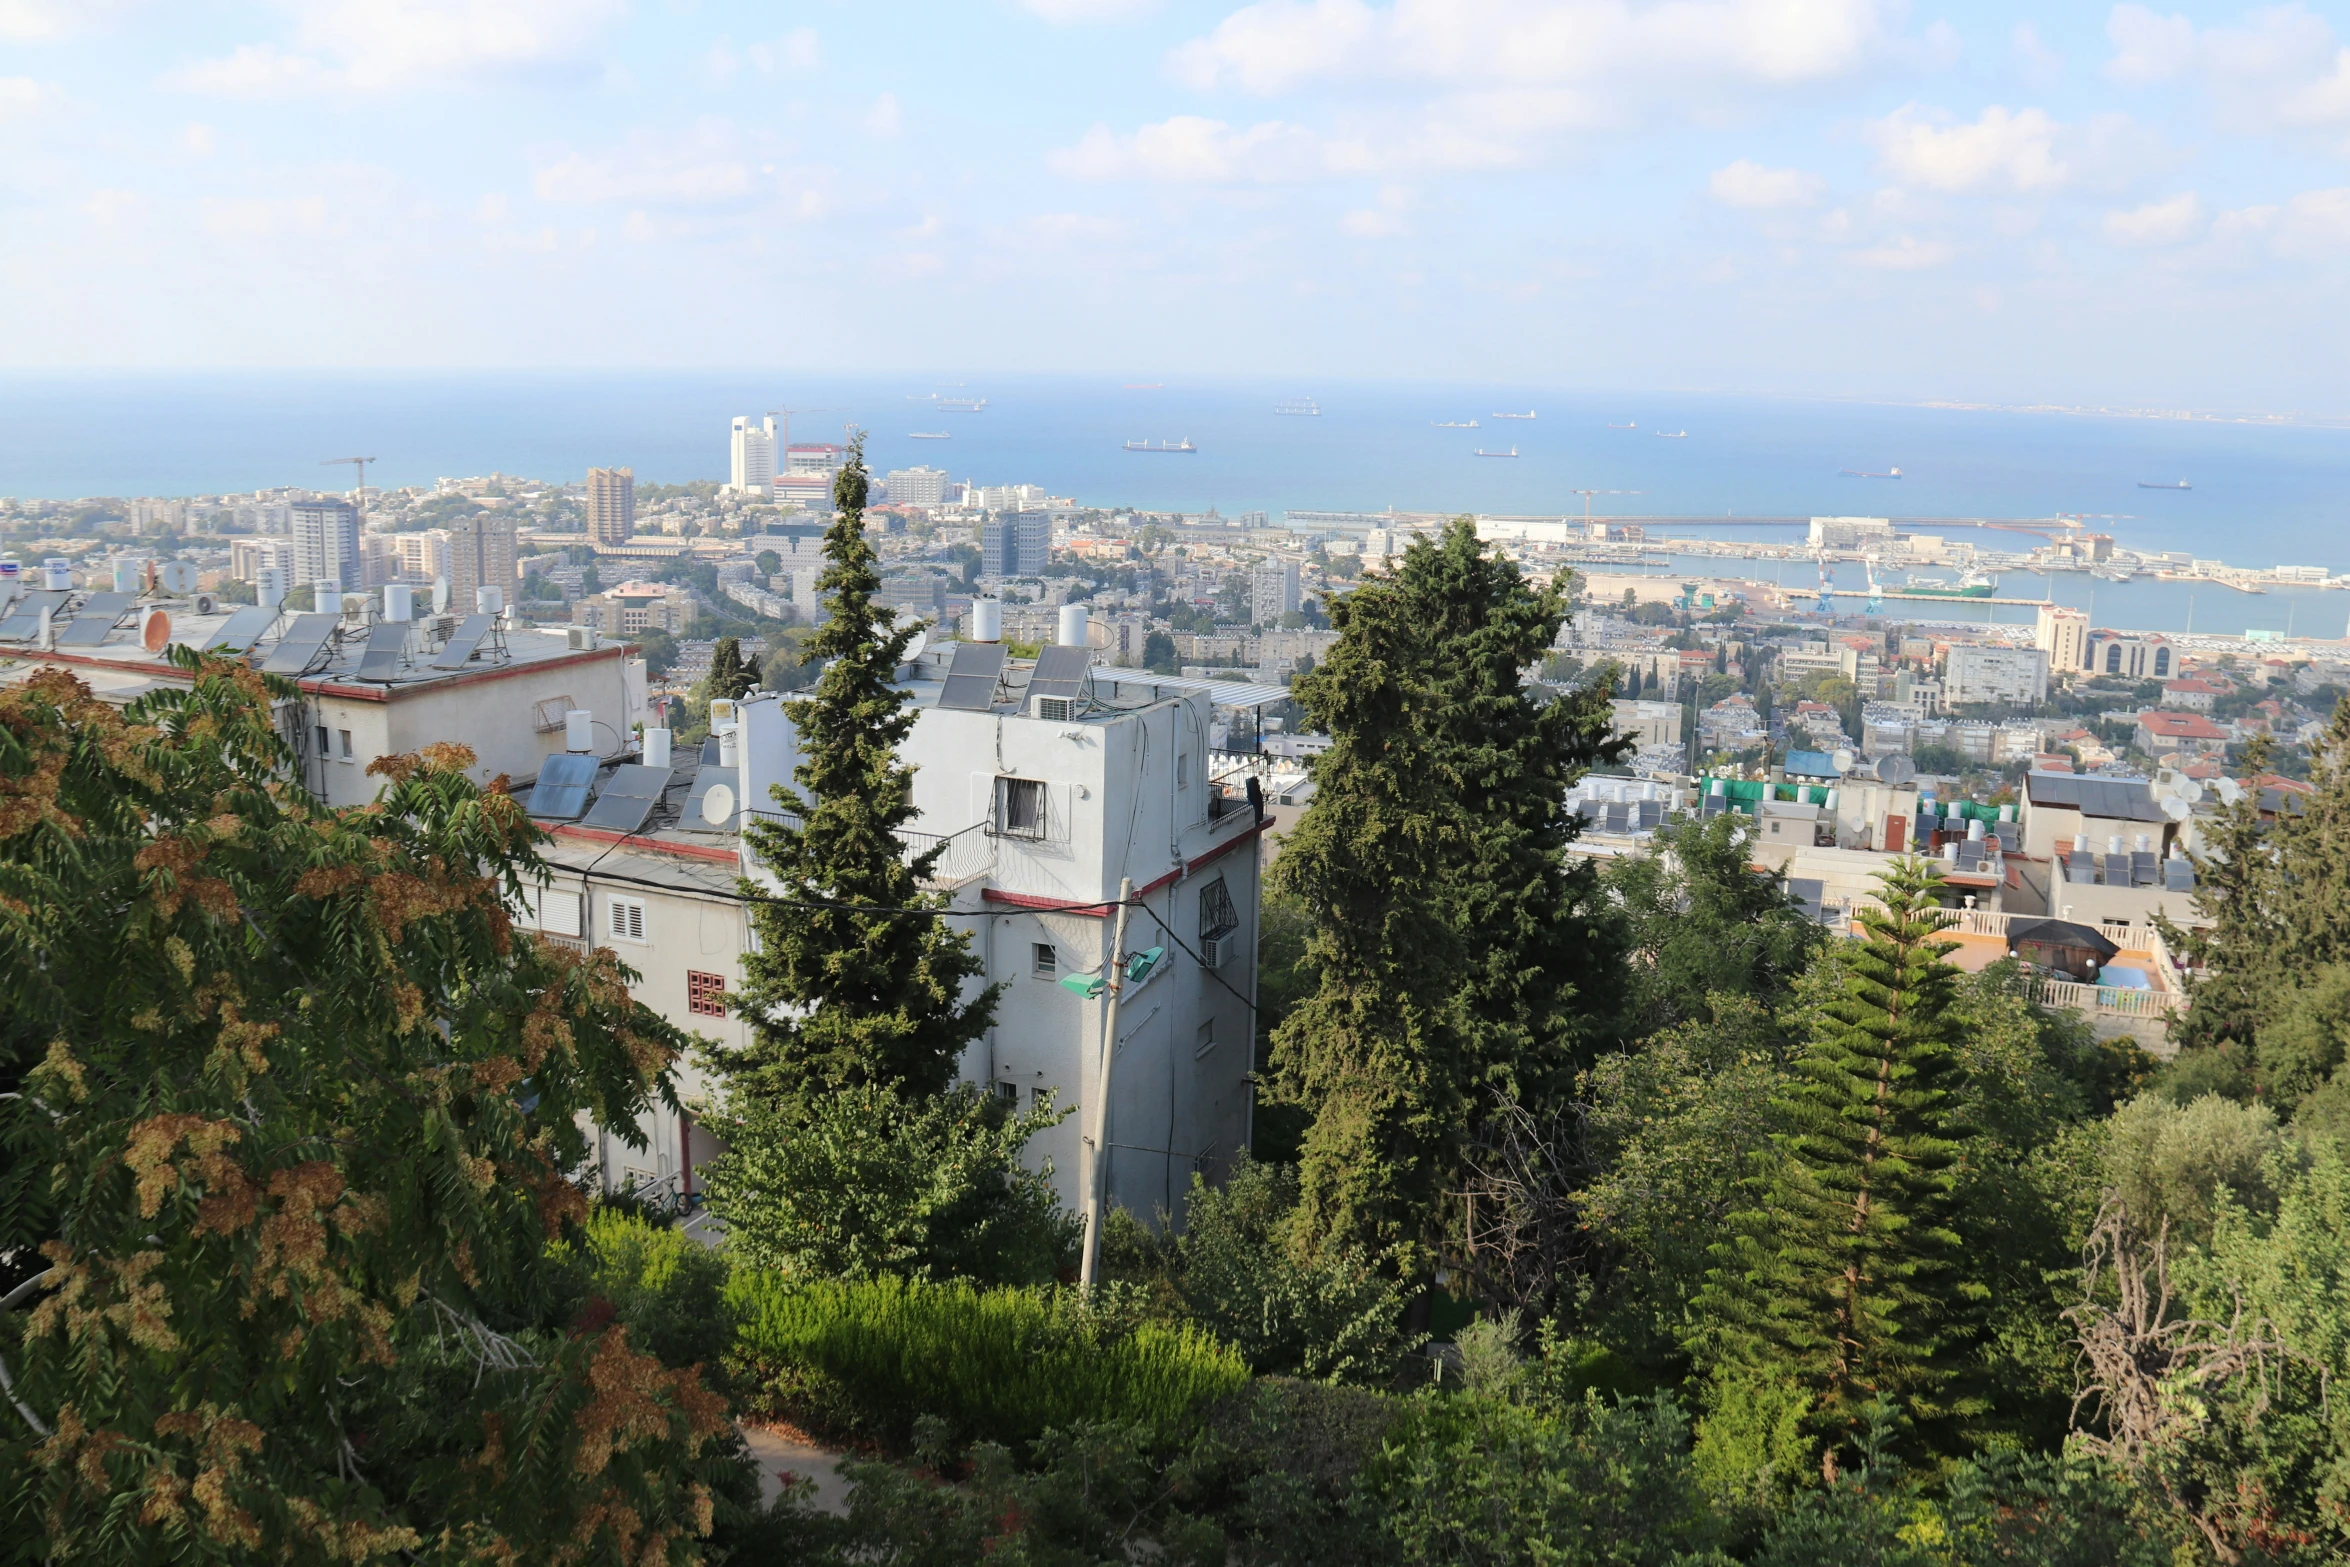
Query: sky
{"points": [[2110, 204]]}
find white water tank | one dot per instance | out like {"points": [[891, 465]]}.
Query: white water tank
{"points": [[269, 586], [399, 601], [489, 601], [656, 748], [1974, 829], [579, 730], [1073, 626], [57, 575], [130, 574], [987, 620]]}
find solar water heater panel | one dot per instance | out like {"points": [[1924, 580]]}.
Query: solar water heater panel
{"points": [[95, 619], [241, 630], [469, 636], [24, 616], [298, 648], [562, 789], [1060, 671], [387, 640], [971, 679]]}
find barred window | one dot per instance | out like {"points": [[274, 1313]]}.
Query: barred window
{"points": [[705, 994]]}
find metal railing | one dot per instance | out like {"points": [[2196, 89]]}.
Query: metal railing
{"points": [[2112, 1000]]}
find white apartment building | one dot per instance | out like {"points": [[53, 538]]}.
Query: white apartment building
{"points": [[1273, 591], [326, 543], [424, 557], [915, 486], [1845, 532], [248, 558], [2134, 658], [1996, 674], [2062, 634], [752, 457]]}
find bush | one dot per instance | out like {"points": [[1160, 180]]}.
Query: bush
{"points": [[1001, 1365], [668, 1288]]}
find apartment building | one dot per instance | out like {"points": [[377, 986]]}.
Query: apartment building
{"points": [[1976, 673], [2062, 634], [611, 504], [326, 543], [635, 607]]}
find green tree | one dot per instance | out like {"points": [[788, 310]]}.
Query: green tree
{"points": [[1842, 1283], [2239, 947], [732, 675], [1460, 956], [289, 1106], [1703, 923], [844, 986]]}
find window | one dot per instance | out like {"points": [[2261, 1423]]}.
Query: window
{"points": [[2162, 662], [1009, 1093], [558, 912], [1217, 916], [705, 994], [2113, 658], [626, 917], [346, 737], [1019, 807], [1207, 1039], [323, 746], [1044, 960]]}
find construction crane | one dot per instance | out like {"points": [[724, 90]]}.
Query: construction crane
{"points": [[1587, 494], [1827, 585], [1876, 604], [359, 463]]}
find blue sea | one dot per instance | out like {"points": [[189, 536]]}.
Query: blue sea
{"points": [[2263, 494]]}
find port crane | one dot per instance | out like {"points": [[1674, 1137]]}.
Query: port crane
{"points": [[1876, 601], [1827, 585]]}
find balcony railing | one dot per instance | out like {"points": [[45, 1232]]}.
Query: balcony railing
{"points": [[2112, 1000]]}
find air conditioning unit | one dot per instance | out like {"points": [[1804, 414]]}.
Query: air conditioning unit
{"points": [[580, 639], [1214, 950], [1053, 709]]}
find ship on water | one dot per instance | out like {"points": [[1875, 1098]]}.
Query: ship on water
{"points": [[962, 405], [1456, 424], [2181, 485], [1670, 435], [1858, 473], [1528, 414], [928, 435], [1298, 408], [1482, 452], [1974, 585], [1634, 425], [1183, 445]]}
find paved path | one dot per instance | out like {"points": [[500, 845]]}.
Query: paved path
{"points": [[779, 1449]]}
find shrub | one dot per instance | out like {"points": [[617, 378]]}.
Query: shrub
{"points": [[999, 1365], [668, 1288]]}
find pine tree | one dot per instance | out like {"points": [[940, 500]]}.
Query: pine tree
{"points": [[1842, 1282], [732, 676], [840, 996], [2239, 953], [1459, 955]]}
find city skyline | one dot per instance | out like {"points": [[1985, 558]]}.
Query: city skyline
{"points": [[2128, 205]]}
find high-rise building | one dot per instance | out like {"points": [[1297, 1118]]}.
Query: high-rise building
{"points": [[1015, 544], [753, 457], [611, 504], [326, 543], [2062, 634], [247, 558], [481, 554], [1996, 674], [1273, 592], [915, 486], [424, 556]]}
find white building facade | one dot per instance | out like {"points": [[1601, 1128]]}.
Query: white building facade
{"points": [[752, 457]]}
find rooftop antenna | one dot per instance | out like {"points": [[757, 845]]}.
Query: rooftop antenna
{"points": [[359, 463]]}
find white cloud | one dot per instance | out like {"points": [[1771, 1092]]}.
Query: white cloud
{"points": [[1075, 228], [1750, 185], [2039, 62], [794, 51], [109, 207], [394, 45], [1088, 10], [1277, 44], [2285, 70], [1452, 134], [1384, 221], [1904, 255], [705, 164], [264, 217], [32, 21], [2314, 224], [885, 118], [1999, 151], [21, 97], [1189, 149], [197, 140], [2165, 222]]}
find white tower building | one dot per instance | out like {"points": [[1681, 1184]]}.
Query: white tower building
{"points": [[754, 457]]}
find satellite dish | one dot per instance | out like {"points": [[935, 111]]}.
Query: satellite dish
{"points": [[907, 617], [2192, 791], [1842, 762], [2176, 808], [440, 595], [177, 577], [718, 805], [1896, 770], [2230, 791], [155, 631]]}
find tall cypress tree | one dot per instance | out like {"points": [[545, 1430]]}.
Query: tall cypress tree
{"points": [[1458, 951], [731, 676], [839, 996], [1842, 1280]]}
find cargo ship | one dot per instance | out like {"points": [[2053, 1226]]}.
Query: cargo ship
{"points": [[1455, 424], [928, 435], [1670, 435], [1183, 445], [1974, 585], [1857, 473], [1634, 425], [1482, 452], [961, 405], [2181, 485], [1299, 408], [1528, 414]]}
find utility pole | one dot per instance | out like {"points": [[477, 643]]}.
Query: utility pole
{"points": [[1097, 1143]]}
